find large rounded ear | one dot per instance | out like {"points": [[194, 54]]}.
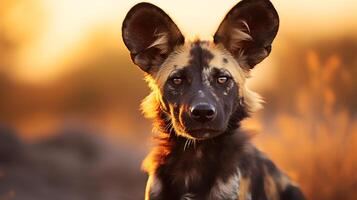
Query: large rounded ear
{"points": [[248, 30], [150, 35]]}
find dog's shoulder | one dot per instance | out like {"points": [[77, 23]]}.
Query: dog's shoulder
{"points": [[262, 179]]}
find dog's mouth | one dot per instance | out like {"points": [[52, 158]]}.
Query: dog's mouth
{"points": [[199, 131], [204, 133]]}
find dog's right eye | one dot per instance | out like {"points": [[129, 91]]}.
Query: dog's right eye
{"points": [[177, 81], [222, 79]]}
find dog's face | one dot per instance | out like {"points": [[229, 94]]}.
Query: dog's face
{"points": [[200, 92], [200, 85]]}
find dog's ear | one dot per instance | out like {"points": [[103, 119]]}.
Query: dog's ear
{"points": [[150, 35], [248, 30]]}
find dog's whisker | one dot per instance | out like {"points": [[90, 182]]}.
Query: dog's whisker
{"points": [[184, 147], [189, 144], [194, 143], [167, 127], [171, 128]]}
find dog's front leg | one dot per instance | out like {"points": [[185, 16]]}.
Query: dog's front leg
{"points": [[153, 188]]}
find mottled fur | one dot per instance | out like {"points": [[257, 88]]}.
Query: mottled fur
{"points": [[199, 97]]}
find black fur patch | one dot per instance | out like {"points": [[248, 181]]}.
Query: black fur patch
{"points": [[225, 60], [292, 193], [200, 57]]}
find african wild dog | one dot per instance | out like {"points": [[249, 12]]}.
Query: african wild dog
{"points": [[199, 96]]}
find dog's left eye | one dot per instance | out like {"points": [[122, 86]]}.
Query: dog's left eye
{"points": [[177, 81], [222, 79]]}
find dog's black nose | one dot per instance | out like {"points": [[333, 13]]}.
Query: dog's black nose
{"points": [[203, 112]]}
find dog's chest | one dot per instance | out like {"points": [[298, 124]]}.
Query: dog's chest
{"points": [[190, 169], [198, 175], [196, 186]]}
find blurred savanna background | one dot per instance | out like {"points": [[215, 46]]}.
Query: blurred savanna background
{"points": [[70, 125]]}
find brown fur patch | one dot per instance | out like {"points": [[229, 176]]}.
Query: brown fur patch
{"points": [[244, 188], [270, 187], [177, 60]]}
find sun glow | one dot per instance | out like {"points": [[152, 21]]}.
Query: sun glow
{"points": [[68, 23]]}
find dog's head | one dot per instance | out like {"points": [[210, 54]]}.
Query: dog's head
{"points": [[200, 86]]}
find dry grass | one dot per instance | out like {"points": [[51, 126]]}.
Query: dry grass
{"points": [[316, 143]]}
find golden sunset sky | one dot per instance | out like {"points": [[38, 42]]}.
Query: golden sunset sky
{"points": [[65, 25]]}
